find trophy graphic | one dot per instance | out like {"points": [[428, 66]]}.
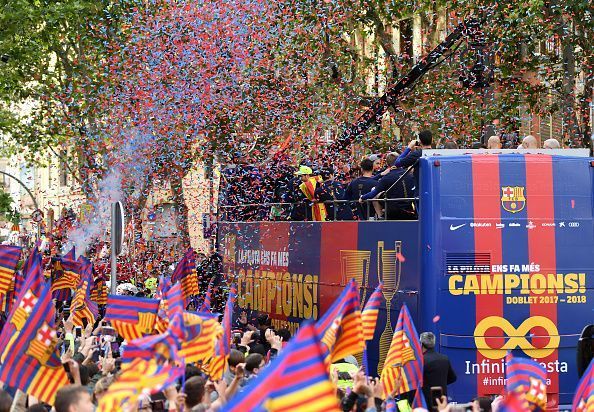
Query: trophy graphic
{"points": [[354, 264], [388, 271]]}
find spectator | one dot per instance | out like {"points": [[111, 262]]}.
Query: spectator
{"points": [[329, 191], [235, 358], [450, 144], [5, 401], [551, 144], [494, 143], [194, 391], [308, 186], [73, 398], [101, 387], [529, 142], [437, 369], [144, 403], [361, 186], [253, 364]]}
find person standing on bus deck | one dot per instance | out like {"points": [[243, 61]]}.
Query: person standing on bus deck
{"points": [[308, 187], [413, 153], [437, 369]]}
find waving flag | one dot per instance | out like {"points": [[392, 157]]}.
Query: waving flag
{"points": [[371, 312], [185, 273], [163, 347], [9, 258], [71, 254], [223, 347], [27, 287], [99, 291], [583, 400], [341, 328], [132, 317], [201, 334], [529, 379], [404, 359], [296, 380], [82, 305], [32, 363], [175, 311], [69, 277], [139, 377], [162, 317]]}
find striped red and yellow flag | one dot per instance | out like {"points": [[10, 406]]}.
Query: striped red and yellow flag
{"points": [[371, 312], [9, 258], [202, 347]]}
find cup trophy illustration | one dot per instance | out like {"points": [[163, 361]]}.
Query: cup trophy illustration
{"points": [[354, 264], [389, 269]]}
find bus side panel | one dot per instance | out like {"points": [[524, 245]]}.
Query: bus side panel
{"points": [[295, 270], [516, 237]]}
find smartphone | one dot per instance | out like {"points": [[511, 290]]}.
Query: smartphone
{"points": [[78, 331], [108, 331], [96, 355], [436, 393], [115, 347], [66, 367]]}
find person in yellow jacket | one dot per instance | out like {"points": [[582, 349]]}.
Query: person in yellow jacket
{"points": [[308, 187]]}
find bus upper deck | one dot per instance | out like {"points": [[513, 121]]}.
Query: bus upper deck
{"points": [[500, 259]]}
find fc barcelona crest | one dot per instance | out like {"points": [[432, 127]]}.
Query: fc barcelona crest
{"points": [[512, 198]]}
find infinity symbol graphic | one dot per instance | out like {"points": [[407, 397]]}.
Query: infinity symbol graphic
{"points": [[516, 337]]}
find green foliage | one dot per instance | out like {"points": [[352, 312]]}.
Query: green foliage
{"points": [[7, 212]]}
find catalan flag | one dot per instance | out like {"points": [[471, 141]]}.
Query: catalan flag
{"points": [[529, 380], [404, 359], [132, 317], [9, 258], [32, 363], [297, 380], [185, 273], [583, 400], [82, 305], [138, 377], [341, 328], [371, 312], [218, 363], [28, 285]]}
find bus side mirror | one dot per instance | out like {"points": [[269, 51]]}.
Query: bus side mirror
{"points": [[585, 349]]}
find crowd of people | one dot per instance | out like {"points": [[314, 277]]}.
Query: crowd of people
{"points": [[378, 187], [91, 356]]}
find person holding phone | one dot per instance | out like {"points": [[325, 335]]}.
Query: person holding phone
{"points": [[437, 370]]}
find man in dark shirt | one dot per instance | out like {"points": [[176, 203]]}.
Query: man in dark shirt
{"points": [[387, 188], [361, 186], [414, 151], [329, 191], [437, 369]]}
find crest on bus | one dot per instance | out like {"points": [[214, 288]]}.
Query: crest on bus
{"points": [[512, 198]]}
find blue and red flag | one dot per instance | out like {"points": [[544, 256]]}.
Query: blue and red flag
{"points": [[9, 258], [185, 273], [29, 284], [71, 254], [529, 379], [131, 316], [341, 327], [82, 305], [30, 361], [583, 400], [223, 344], [404, 360], [296, 380], [163, 346], [175, 311]]}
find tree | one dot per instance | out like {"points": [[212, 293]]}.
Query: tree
{"points": [[7, 212]]}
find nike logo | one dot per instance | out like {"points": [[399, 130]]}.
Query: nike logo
{"points": [[452, 227]]}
